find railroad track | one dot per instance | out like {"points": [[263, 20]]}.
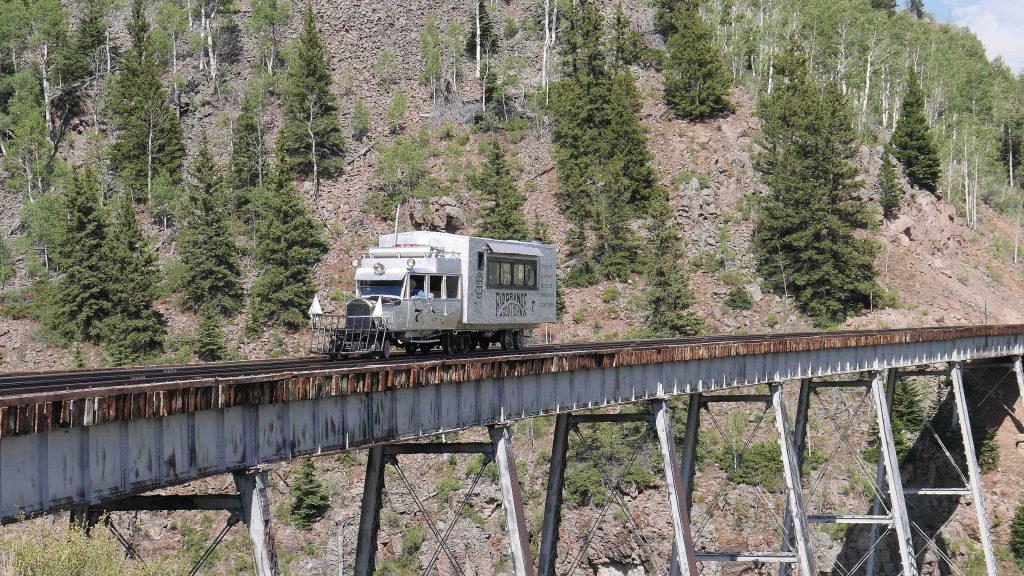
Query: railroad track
{"points": [[28, 383]]}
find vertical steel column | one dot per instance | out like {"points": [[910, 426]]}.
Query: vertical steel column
{"points": [[791, 471], [683, 554], [956, 376], [799, 442], [1020, 376], [553, 501], [512, 500], [252, 488], [689, 465], [369, 513], [898, 504], [876, 507]]}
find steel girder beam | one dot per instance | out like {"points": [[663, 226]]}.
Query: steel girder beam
{"points": [[956, 377], [799, 442], [689, 465], [791, 471], [512, 500], [252, 487], [369, 513], [683, 554], [887, 447], [553, 501], [1019, 374]]}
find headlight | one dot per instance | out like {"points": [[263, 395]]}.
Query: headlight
{"points": [[378, 269], [410, 263]]}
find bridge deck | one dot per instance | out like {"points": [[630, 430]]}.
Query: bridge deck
{"points": [[64, 445]]}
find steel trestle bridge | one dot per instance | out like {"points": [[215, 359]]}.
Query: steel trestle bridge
{"points": [[97, 441]]}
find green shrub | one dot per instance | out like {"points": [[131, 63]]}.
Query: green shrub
{"points": [[771, 320], [360, 121], [739, 299], [1017, 536], [396, 111], [610, 295], [445, 487]]}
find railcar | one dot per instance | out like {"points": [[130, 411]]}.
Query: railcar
{"points": [[420, 291]]}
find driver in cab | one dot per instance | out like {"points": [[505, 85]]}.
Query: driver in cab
{"points": [[415, 291]]}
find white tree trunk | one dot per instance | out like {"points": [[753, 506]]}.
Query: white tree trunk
{"points": [[46, 95], [478, 38], [544, 51]]}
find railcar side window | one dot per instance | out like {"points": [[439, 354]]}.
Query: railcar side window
{"points": [[379, 287], [436, 285], [417, 286], [511, 273], [451, 286]]}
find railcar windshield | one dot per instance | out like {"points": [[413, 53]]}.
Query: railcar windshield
{"points": [[379, 288]]}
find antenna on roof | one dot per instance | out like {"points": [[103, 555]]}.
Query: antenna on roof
{"points": [[398, 209]]}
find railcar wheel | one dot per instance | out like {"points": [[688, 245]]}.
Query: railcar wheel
{"points": [[518, 340], [483, 342], [506, 340], [385, 350], [448, 344]]}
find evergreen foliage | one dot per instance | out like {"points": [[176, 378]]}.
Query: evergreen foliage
{"points": [[82, 295], [600, 151], [135, 329], [805, 237], [669, 298], [396, 111], [309, 501], [495, 185], [212, 273], [1017, 536], [889, 191], [887, 5], [916, 8], [311, 143], [488, 38], [626, 44], [739, 299], [6, 264], [289, 243], [209, 344], [249, 151], [696, 82], [912, 141], [666, 12], [149, 139]]}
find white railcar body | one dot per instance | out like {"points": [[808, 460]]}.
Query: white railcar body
{"points": [[420, 289]]}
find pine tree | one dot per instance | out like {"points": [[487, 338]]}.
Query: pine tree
{"points": [[596, 108], [696, 82], [82, 295], [626, 44], [289, 243], [212, 274], [149, 139], [668, 297], [805, 235], [1017, 536], [311, 143], [309, 501], [916, 8], [912, 142], [360, 121], [249, 150], [209, 343], [889, 191], [887, 5], [134, 330], [665, 14], [494, 185]]}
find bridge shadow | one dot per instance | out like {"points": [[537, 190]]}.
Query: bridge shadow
{"points": [[989, 390]]}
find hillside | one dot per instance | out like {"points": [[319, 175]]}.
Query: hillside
{"points": [[946, 257]]}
